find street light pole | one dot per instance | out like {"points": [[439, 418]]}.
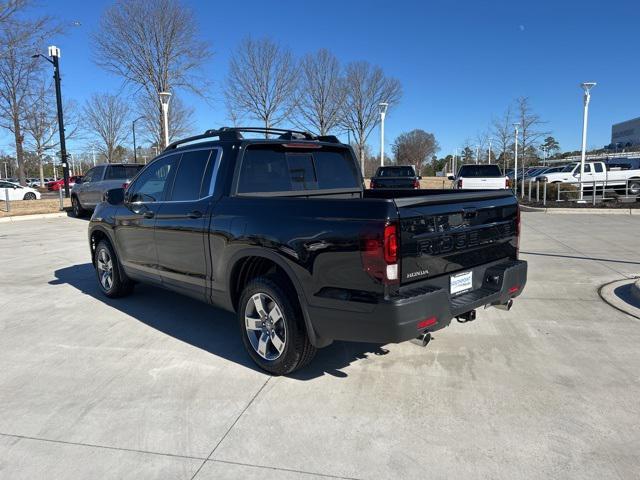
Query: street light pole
{"points": [[586, 86], [477, 154], [54, 53], [164, 100], [515, 164], [383, 113], [489, 159], [135, 152]]}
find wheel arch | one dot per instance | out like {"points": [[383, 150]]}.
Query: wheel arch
{"points": [[254, 262]]}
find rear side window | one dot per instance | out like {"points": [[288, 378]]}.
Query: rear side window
{"points": [[122, 172], [190, 180], [597, 167], [273, 168], [470, 171]]}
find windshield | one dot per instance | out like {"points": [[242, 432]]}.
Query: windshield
{"points": [[480, 171], [395, 172]]}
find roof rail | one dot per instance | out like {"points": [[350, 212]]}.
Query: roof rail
{"points": [[235, 133]]}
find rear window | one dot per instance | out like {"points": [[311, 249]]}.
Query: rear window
{"points": [[122, 172], [395, 172], [470, 171], [273, 168]]}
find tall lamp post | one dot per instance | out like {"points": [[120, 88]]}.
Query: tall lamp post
{"points": [[586, 86], [164, 100], [54, 53], [135, 152], [515, 164], [383, 113]]}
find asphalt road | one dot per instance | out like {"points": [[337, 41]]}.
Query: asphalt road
{"points": [[158, 385]]}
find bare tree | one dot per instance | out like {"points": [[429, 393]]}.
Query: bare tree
{"points": [[366, 86], [322, 93], [17, 74], [180, 120], [106, 118], [530, 129], [415, 148], [503, 134], [154, 45], [262, 82]]}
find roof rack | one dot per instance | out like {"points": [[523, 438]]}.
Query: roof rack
{"points": [[235, 133]]}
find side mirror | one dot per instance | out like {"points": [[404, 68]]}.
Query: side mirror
{"points": [[115, 196], [451, 177]]}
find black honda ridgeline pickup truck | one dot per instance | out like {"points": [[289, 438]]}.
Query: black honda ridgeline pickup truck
{"points": [[282, 231]]}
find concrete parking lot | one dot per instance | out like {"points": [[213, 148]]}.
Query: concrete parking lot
{"points": [[159, 386]]}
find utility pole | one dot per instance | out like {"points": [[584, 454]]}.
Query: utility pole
{"points": [[164, 100], [135, 152], [489, 159]]}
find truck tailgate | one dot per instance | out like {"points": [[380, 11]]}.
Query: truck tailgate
{"points": [[448, 233]]}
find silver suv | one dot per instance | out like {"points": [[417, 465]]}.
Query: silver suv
{"points": [[88, 193]]}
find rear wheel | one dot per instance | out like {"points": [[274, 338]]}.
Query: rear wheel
{"points": [[634, 187], [29, 196], [78, 211], [111, 278], [272, 327]]}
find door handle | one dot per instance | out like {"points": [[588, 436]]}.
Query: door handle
{"points": [[195, 214], [148, 214]]}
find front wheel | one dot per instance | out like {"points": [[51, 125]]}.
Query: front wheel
{"points": [[78, 211], [29, 196], [634, 187], [111, 279], [272, 327]]}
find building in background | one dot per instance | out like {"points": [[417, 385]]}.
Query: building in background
{"points": [[626, 134]]}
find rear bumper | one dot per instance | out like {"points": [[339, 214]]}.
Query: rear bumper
{"points": [[397, 319]]}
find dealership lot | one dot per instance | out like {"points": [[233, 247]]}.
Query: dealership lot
{"points": [[159, 386]]}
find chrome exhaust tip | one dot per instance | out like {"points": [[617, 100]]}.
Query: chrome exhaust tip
{"points": [[505, 306], [423, 339]]}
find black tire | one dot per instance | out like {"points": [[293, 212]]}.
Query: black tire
{"points": [[29, 196], [298, 350], [119, 285], [76, 207]]}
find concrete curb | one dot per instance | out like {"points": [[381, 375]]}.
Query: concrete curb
{"points": [[623, 295], [36, 216], [579, 211], [635, 290]]}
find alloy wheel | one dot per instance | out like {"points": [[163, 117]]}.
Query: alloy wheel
{"points": [[105, 269], [265, 326]]}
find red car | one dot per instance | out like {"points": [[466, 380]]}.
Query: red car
{"points": [[58, 184]]}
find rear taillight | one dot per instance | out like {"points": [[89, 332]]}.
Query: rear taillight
{"points": [[379, 252], [416, 183], [507, 183], [125, 185], [460, 183], [372, 184]]}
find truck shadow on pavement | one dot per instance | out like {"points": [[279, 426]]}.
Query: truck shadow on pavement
{"points": [[205, 327]]}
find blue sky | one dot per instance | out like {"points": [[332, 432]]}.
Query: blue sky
{"points": [[460, 63]]}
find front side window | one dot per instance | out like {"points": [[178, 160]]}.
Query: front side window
{"points": [[150, 186], [193, 176]]}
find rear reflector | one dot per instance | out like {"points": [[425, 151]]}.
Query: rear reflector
{"points": [[514, 289], [427, 323]]}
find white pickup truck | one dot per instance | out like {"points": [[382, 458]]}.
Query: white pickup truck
{"points": [[612, 175], [480, 177]]}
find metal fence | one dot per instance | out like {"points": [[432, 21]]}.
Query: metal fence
{"points": [[593, 191]]}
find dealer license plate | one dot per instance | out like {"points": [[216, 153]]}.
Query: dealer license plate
{"points": [[461, 282]]}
